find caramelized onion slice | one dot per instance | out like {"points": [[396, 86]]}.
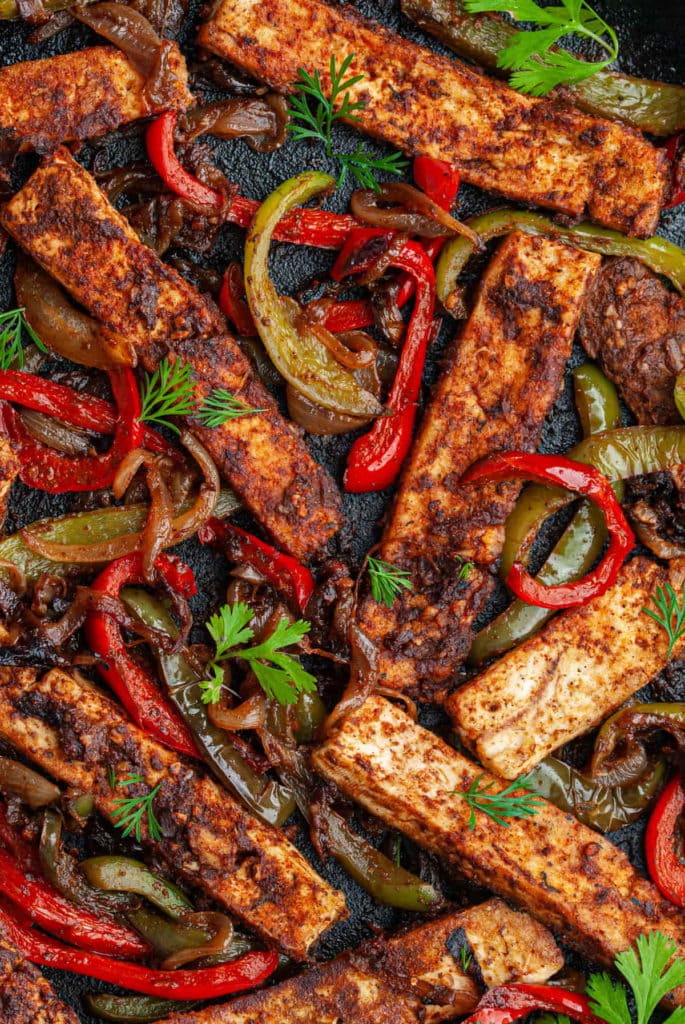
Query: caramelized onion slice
{"points": [[411, 212], [28, 786], [260, 120]]}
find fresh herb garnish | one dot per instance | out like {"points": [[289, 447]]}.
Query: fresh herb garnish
{"points": [[168, 392], [465, 568], [537, 67], [111, 777], [670, 615], [316, 122], [500, 806], [645, 969], [387, 581], [13, 324], [465, 958], [280, 675], [221, 406], [131, 809]]}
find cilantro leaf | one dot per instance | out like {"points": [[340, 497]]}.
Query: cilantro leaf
{"points": [[229, 627], [608, 1000], [650, 979]]}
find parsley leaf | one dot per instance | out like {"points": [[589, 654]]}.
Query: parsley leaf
{"points": [[646, 971]]}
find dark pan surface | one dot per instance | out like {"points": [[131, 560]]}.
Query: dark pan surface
{"points": [[651, 36]]}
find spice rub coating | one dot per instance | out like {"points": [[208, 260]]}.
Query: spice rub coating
{"points": [[567, 876], [407, 977], [569, 677], [209, 841], [500, 381], [535, 151], [634, 326], [26, 997], [80, 95], [63, 220]]}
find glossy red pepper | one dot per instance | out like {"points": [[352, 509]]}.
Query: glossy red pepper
{"points": [[664, 843], [205, 983], [133, 685], [586, 480], [375, 458], [676, 156], [232, 301], [74, 407], [160, 144], [292, 579], [511, 1002], [438, 179], [48, 470]]}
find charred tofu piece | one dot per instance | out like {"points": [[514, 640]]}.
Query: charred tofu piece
{"points": [[209, 841], [559, 684], [80, 95], [63, 220], [535, 151], [634, 326], [500, 382], [9, 470], [407, 978], [567, 876], [26, 997]]}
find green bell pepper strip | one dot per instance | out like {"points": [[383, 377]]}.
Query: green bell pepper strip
{"points": [[604, 808], [295, 347], [659, 255], [81, 528], [133, 1009], [125, 874], [268, 799], [655, 107], [679, 394], [596, 400], [164, 935], [620, 754]]}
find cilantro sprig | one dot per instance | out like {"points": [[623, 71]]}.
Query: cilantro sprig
{"points": [[131, 810], [536, 64], [646, 970], [13, 327], [170, 392], [279, 674], [313, 115]]}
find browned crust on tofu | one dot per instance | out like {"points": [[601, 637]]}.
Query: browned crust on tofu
{"points": [[26, 997], [559, 684], [572, 879], [9, 470], [403, 978], [80, 95], [63, 220], [634, 326], [535, 151], [75, 733], [500, 381]]}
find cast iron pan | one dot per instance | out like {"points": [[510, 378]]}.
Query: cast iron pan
{"points": [[651, 34]]}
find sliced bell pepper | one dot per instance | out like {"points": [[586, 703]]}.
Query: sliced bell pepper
{"points": [[232, 301], [508, 1003], [48, 470], [289, 576], [159, 141], [664, 843], [205, 983], [586, 480], [674, 152], [133, 685]]}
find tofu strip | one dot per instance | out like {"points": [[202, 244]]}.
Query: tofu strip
{"points": [[559, 684], [80, 95], [500, 382], [9, 470], [567, 876], [401, 980], [26, 997], [532, 150], [63, 220], [209, 841]]}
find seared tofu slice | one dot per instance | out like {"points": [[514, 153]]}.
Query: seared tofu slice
{"points": [[9, 470], [26, 997], [559, 684], [63, 220], [80, 95], [407, 977], [209, 840], [567, 876], [501, 379], [536, 151]]}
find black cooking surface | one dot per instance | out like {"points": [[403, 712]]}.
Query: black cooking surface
{"points": [[651, 36]]}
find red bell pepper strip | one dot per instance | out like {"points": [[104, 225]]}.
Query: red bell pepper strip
{"points": [[48, 470], [133, 685], [159, 141], [664, 843], [508, 1003], [232, 301], [586, 480], [50, 910], [291, 578], [674, 152], [74, 407], [375, 458], [204, 983], [438, 179]]}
